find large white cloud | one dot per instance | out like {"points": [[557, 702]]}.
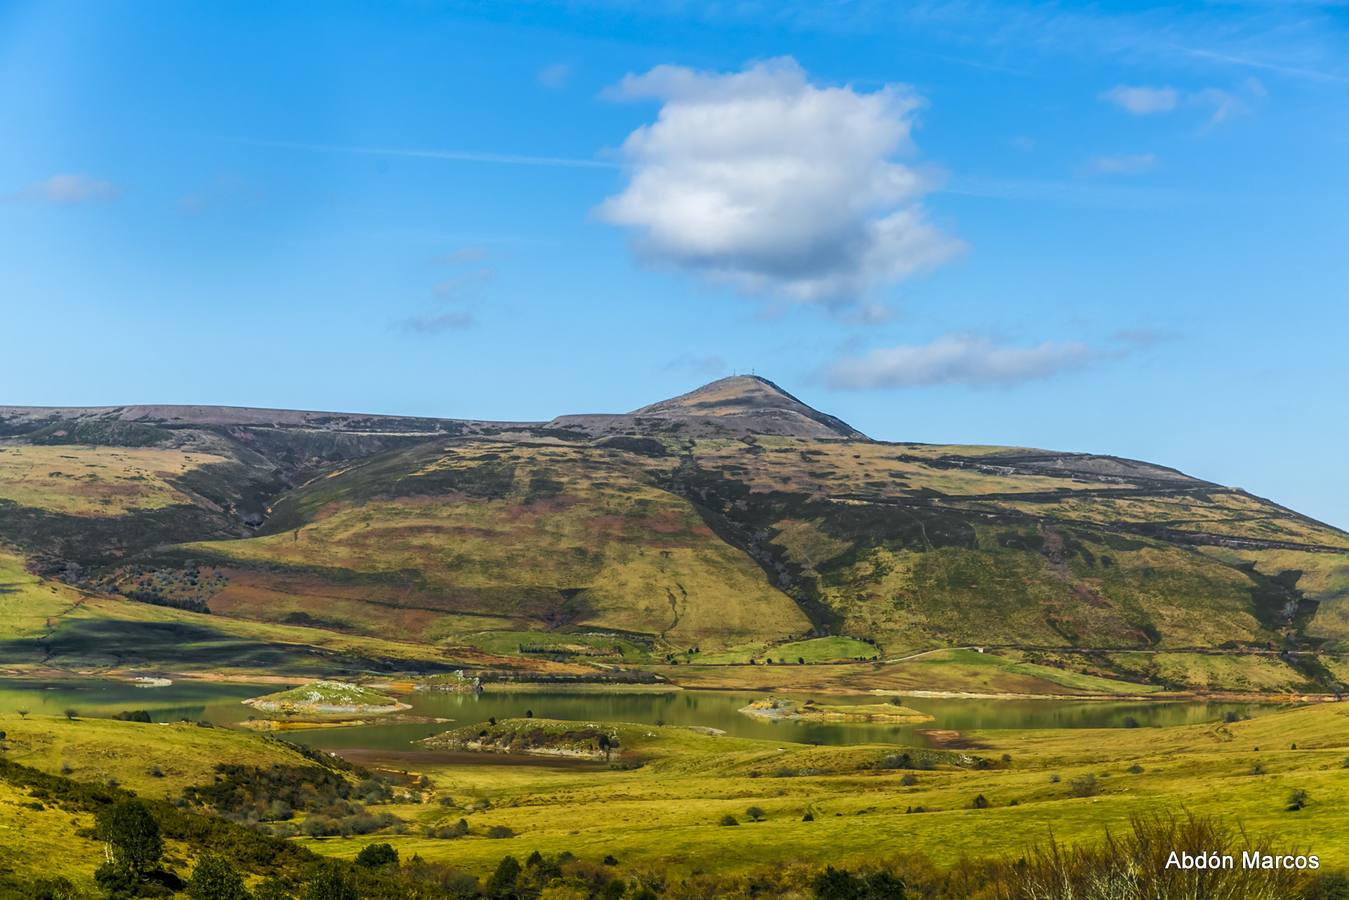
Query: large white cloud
{"points": [[957, 359], [776, 186]]}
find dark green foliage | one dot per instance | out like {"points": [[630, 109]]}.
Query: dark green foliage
{"points": [[500, 831], [755, 814], [330, 883], [132, 836], [729, 819], [216, 878], [133, 715], [377, 856], [1298, 799], [249, 794], [839, 884], [503, 880]]}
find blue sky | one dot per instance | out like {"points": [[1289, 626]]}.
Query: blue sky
{"points": [[1106, 228]]}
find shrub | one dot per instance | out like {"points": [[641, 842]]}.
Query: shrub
{"points": [[908, 779], [1084, 786], [1130, 722], [132, 837], [331, 883], [979, 802], [377, 856], [755, 814], [1135, 769], [216, 878], [808, 817], [500, 831], [1297, 800], [1257, 769], [1134, 864], [729, 819], [839, 884], [503, 880]]}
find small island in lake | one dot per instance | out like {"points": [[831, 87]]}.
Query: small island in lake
{"points": [[327, 698], [778, 708]]}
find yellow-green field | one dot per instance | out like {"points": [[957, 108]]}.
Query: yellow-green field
{"points": [[667, 813], [94, 481]]}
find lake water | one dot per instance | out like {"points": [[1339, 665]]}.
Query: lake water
{"points": [[220, 705]]}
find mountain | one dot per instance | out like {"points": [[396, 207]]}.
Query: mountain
{"points": [[738, 406], [731, 516]]}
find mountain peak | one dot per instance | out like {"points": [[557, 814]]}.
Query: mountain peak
{"points": [[752, 400]]}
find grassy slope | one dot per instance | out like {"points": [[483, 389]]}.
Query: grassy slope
{"points": [[538, 534], [667, 812], [95, 481], [101, 749], [29, 603]]}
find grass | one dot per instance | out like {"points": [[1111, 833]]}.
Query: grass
{"points": [[594, 646], [812, 650], [537, 535], [154, 760], [666, 813], [94, 481], [28, 603], [324, 697]]}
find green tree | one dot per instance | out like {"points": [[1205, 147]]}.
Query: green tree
{"points": [[330, 883], [377, 856], [755, 813], [131, 835], [502, 882], [216, 878]]}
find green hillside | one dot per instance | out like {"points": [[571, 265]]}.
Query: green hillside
{"points": [[721, 526]]}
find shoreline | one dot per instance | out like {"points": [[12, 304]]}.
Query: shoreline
{"points": [[523, 687]]}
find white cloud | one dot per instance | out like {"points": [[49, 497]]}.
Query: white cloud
{"points": [[763, 181], [957, 359], [1143, 101], [1122, 164], [71, 189], [1222, 105]]}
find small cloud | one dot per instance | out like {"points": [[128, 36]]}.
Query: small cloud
{"points": [[1123, 164], [1141, 100], [778, 187], [435, 323], [957, 359], [1222, 105], [706, 366], [555, 77], [70, 190]]}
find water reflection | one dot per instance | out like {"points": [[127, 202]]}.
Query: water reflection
{"points": [[219, 704]]}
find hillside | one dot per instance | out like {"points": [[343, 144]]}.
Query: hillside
{"points": [[731, 516]]}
